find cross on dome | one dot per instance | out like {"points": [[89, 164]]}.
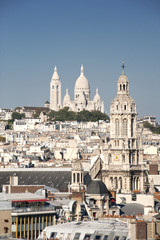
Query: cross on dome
{"points": [[82, 69], [55, 68], [123, 66]]}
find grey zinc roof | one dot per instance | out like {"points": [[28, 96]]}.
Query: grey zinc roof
{"points": [[55, 178], [131, 209], [96, 186]]}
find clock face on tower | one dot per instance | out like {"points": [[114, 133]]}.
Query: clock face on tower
{"points": [[116, 157]]}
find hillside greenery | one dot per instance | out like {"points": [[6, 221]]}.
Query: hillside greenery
{"points": [[16, 115], [83, 116], [152, 128]]}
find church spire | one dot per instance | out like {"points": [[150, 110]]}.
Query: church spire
{"points": [[55, 74]]}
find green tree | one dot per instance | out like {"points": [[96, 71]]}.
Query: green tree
{"points": [[51, 115], [65, 115], [84, 116], [152, 128], [16, 115]]}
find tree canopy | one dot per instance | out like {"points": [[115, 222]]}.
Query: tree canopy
{"points": [[16, 115], [152, 128], [83, 116]]}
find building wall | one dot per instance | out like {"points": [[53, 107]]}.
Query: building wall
{"points": [[5, 222], [30, 226]]}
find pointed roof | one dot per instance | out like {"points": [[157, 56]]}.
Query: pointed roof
{"points": [[55, 75]]}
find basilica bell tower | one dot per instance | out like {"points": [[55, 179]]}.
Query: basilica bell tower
{"points": [[55, 92]]}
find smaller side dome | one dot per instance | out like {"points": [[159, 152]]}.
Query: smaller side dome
{"points": [[96, 186], [97, 97], [123, 78], [67, 98]]}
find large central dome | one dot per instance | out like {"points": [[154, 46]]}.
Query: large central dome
{"points": [[82, 82]]}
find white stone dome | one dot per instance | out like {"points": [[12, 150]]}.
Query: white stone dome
{"points": [[97, 97], [123, 78], [82, 82], [67, 98]]}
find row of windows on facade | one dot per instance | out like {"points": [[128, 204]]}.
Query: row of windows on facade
{"points": [[124, 107], [86, 237], [77, 177], [124, 87], [131, 143], [32, 219], [86, 95], [57, 87], [117, 183], [132, 158], [124, 127]]}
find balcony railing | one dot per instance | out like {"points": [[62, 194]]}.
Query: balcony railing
{"points": [[32, 209]]}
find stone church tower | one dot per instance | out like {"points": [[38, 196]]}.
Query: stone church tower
{"points": [[123, 169], [55, 92], [77, 178]]}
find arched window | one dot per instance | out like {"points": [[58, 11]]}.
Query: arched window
{"points": [[125, 127], [116, 183], [77, 177], [132, 127], [74, 177], [81, 178], [124, 87], [125, 107], [123, 158], [120, 87], [116, 127], [120, 183], [57, 95]]}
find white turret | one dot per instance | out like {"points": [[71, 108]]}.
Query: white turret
{"points": [[55, 91]]}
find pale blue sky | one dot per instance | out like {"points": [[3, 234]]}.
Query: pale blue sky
{"points": [[36, 35]]}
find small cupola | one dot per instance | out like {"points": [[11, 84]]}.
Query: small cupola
{"points": [[123, 83]]}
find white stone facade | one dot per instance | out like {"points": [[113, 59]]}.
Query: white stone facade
{"points": [[123, 166], [81, 95], [55, 92]]}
